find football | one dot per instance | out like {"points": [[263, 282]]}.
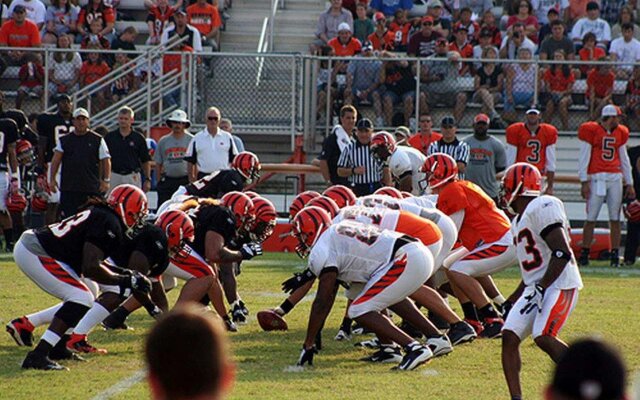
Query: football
{"points": [[269, 320]]}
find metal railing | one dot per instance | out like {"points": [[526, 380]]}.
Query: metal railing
{"points": [[265, 42]]}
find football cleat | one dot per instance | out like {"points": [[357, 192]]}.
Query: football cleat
{"points": [[342, 335], [243, 307], [369, 344], [237, 315], [78, 344], [359, 329], [415, 355], [492, 328], [475, 324], [583, 260], [614, 258], [461, 332], [230, 325], [440, 345], [21, 330], [37, 361], [386, 354]]}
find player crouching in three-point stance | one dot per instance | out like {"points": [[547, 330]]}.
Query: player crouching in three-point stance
{"points": [[392, 266], [550, 277]]}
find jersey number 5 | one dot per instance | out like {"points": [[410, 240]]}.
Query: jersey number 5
{"points": [[63, 227], [530, 248], [608, 148]]}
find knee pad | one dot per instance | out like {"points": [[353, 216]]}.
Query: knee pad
{"points": [[71, 313]]}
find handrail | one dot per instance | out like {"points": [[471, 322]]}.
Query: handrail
{"points": [[272, 22], [262, 45]]}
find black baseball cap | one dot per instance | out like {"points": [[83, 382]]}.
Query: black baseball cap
{"points": [[448, 120], [63, 97], [485, 32], [364, 123], [593, 5]]}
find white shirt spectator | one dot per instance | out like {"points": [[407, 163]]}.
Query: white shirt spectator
{"points": [[512, 52], [195, 43], [36, 10], [627, 52], [541, 8], [65, 70], [213, 153], [598, 26]]}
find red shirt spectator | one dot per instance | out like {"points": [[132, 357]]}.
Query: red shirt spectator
{"points": [[204, 17], [19, 32], [423, 42], [31, 75], [601, 79], [93, 69], [158, 18], [526, 17], [590, 52], [96, 10], [174, 61], [345, 45], [400, 29], [556, 79]]}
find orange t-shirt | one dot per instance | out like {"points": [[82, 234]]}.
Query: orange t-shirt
{"points": [[25, 35], [465, 52], [585, 55], [92, 72], [386, 43], [174, 61], [421, 143], [532, 149], [420, 228], [204, 18], [602, 84], [352, 48], [604, 146], [483, 223], [556, 81]]}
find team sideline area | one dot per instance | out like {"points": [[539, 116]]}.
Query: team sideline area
{"points": [[266, 360]]}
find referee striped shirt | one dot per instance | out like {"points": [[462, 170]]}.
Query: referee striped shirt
{"points": [[457, 149], [357, 154]]}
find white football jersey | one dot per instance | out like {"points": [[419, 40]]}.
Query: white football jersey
{"points": [[357, 250], [533, 252], [378, 200], [385, 218], [407, 160], [428, 201]]}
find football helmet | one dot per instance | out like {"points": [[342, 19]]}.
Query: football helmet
{"points": [[326, 204], [179, 229], [406, 195], [24, 152], [17, 201], [342, 195], [300, 201], [632, 211], [380, 142], [241, 206], [265, 220], [389, 191], [307, 226], [252, 195], [439, 168], [39, 201], [520, 179], [248, 165], [130, 203]]}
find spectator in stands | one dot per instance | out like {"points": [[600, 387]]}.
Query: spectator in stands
{"points": [[626, 17], [592, 23], [589, 52], [577, 10], [97, 10], [399, 88], [402, 134], [541, 9], [382, 38], [175, 4], [462, 46], [125, 84], [557, 41], [345, 45], [334, 144], [31, 77], [36, 11], [525, 17], [17, 32], [181, 29], [389, 7], [440, 25], [423, 139], [600, 82], [558, 82], [93, 37], [611, 9], [473, 28], [328, 24], [226, 125], [174, 62], [93, 69], [625, 49], [488, 24], [545, 29], [423, 42], [171, 166], [449, 144], [363, 80], [206, 19], [61, 18], [363, 26], [64, 69], [488, 84], [484, 42], [514, 41], [325, 85], [126, 40], [632, 102], [440, 83], [519, 85], [159, 17], [477, 7], [401, 28]]}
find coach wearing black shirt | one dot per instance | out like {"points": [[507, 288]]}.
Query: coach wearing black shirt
{"points": [[340, 137], [365, 172], [86, 166], [129, 153]]}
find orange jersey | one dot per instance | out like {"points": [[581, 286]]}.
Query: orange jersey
{"points": [[420, 228], [204, 18], [604, 146], [91, 72], [385, 43], [421, 143], [483, 222], [25, 35], [532, 149], [352, 48]]}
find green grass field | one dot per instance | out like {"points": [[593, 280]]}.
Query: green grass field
{"points": [[605, 308]]}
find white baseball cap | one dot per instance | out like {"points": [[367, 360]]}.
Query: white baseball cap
{"points": [[610, 111], [179, 116], [81, 112], [344, 27]]}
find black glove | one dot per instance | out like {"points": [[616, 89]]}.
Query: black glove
{"points": [[534, 300], [306, 356], [506, 308], [135, 281], [251, 250], [298, 280]]}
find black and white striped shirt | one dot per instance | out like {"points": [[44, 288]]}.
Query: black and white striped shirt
{"points": [[457, 149], [357, 154]]}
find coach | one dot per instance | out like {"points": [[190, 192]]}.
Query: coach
{"points": [[129, 152], [365, 172]]}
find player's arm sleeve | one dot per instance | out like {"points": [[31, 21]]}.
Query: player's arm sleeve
{"points": [[625, 164], [551, 158], [191, 155], [458, 218], [583, 160], [58, 147], [462, 153], [511, 152], [103, 152]]}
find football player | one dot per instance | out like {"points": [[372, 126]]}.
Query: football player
{"points": [[550, 282], [342, 195], [301, 200], [8, 173], [390, 265], [605, 173], [404, 162], [51, 127], [484, 232], [533, 142], [56, 256]]}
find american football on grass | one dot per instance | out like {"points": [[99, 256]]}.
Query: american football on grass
{"points": [[269, 320]]}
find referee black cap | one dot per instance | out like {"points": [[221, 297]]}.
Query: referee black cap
{"points": [[364, 123], [448, 121]]}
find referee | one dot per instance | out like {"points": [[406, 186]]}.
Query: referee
{"points": [[449, 144], [365, 173]]}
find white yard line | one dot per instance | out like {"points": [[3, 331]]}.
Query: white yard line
{"points": [[121, 386]]}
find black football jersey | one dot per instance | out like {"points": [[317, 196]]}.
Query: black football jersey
{"points": [[151, 242], [217, 184], [212, 218], [8, 135], [53, 126], [64, 241]]}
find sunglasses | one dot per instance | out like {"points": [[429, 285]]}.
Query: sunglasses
{"points": [[212, 118]]}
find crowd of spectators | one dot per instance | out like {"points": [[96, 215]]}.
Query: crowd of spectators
{"points": [[377, 33]]}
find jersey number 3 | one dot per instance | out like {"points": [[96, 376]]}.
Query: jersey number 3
{"points": [[63, 227], [530, 248]]}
